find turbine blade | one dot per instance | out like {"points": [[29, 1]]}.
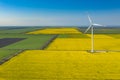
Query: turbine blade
{"points": [[88, 29], [90, 20]]}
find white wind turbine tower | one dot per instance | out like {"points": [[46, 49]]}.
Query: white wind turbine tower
{"points": [[92, 25]]}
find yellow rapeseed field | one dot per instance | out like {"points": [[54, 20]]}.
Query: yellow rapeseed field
{"points": [[69, 44], [100, 36], [84, 44], [62, 65], [117, 36], [56, 31]]}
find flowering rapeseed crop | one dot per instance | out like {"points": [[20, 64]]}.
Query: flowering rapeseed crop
{"points": [[70, 44], [117, 36], [62, 65], [100, 36], [84, 44], [56, 31]]}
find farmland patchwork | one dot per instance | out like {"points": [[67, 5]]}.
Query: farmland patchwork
{"points": [[65, 56]]}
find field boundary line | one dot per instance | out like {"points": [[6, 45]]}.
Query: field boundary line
{"points": [[49, 42], [5, 59]]}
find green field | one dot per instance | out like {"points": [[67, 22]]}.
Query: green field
{"points": [[102, 30], [6, 53], [73, 36], [30, 41], [18, 30]]}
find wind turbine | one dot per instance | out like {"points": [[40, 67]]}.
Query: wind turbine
{"points": [[92, 25]]}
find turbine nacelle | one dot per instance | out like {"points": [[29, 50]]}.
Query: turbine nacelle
{"points": [[97, 25]]}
